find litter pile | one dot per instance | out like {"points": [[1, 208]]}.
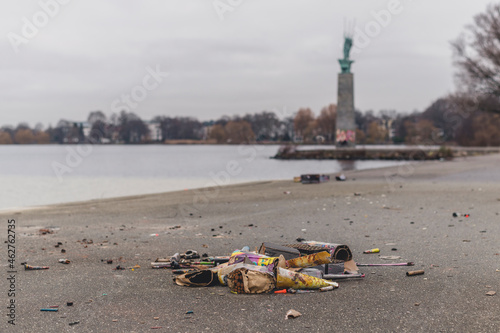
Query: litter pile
{"points": [[288, 268]]}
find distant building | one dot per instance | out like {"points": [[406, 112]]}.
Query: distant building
{"points": [[154, 130]]}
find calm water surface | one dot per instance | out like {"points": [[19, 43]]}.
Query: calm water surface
{"points": [[35, 175]]}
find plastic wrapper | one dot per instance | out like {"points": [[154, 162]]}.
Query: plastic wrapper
{"points": [[310, 260], [338, 252], [222, 272], [289, 279], [250, 279]]}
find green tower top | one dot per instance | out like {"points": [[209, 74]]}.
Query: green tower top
{"points": [[345, 63]]}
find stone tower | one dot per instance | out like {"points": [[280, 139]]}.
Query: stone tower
{"points": [[346, 125]]}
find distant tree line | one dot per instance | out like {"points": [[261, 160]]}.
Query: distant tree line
{"points": [[443, 122]]}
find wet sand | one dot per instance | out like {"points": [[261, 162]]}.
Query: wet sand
{"points": [[408, 208]]}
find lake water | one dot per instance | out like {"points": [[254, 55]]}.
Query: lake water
{"points": [[33, 175]]}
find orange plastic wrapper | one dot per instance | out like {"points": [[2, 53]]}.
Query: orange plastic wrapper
{"points": [[288, 279], [310, 260]]}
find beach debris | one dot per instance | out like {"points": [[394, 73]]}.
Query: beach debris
{"points": [[340, 178], [275, 250], [250, 279], [339, 252], [74, 323], [289, 279], [156, 318], [63, 251], [69, 303], [310, 260], [197, 278], [398, 264], [49, 309], [287, 192], [394, 249], [64, 261], [46, 231], [310, 266], [156, 327], [190, 254], [34, 268], [413, 273], [491, 293], [314, 178], [189, 312], [292, 314], [376, 250]]}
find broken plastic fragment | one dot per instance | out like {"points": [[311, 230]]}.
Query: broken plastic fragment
{"points": [[292, 314]]}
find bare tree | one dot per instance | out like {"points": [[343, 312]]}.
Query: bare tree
{"points": [[327, 120], [302, 121], [239, 132], [96, 116], [477, 56]]}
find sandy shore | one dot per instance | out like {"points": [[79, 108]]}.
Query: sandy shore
{"points": [[408, 208]]}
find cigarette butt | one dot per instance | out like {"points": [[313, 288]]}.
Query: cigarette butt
{"points": [[372, 251], [412, 273], [326, 288]]}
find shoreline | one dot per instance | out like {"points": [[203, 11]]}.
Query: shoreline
{"points": [[388, 171], [409, 207]]}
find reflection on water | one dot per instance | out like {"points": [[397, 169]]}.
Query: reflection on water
{"points": [[347, 165]]}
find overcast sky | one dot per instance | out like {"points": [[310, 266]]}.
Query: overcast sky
{"points": [[65, 58]]}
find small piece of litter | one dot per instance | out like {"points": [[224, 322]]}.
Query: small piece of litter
{"points": [[292, 314], [491, 293], [74, 323], [189, 312]]}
